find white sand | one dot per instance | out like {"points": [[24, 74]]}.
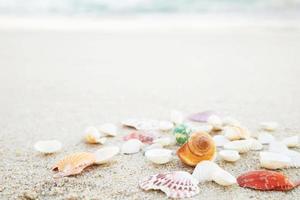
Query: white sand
{"points": [[55, 83]]}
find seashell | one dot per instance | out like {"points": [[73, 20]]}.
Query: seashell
{"points": [[269, 126], [146, 138], [291, 141], [142, 124], [165, 125], [223, 177], [199, 147], [153, 146], [266, 180], [181, 133], [105, 154], [204, 171], [159, 156], [230, 121], [215, 122], [242, 146], [48, 146], [220, 140], [235, 133], [203, 128], [164, 141], [271, 160], [178, 184], [92, 136], [265, 138], [201, 116], [176, 117], [109, 129], [73, 164], [256, 145], [131, 146], [229, 155]]}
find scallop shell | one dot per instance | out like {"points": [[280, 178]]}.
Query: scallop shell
{"points": [[199, 147], [269, 126], [215, 122], [204, 171], [220, 140], [131, 146], [159, 156], [165, 125], [265, 138], [223, 177], [176, 117], [229, 155], [291, 141], [242, 146], [48, 146], [73, 164], [230, 121], [142, 124], [92, 136], [105, 154], [256, 145], [178, 184], [164, 141], [109, 129], [271, 160]]}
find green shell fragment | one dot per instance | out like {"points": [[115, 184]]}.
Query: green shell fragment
{"points": [[182, 133]]}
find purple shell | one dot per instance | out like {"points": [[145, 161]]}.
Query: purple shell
{"points": [[201, 116]]}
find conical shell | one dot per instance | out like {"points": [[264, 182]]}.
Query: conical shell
{"points": [[204, 171], [220, 140], [265, 138], [269, 126], [242, 146], [199, 147], [178, 184], [105, 154], [48, 146], [159, 156], [131, 146], [271, 160], [92, 136], [216, 122], [109, 129], [229, 155], [74, 164], [223, 177], [291, 141]]}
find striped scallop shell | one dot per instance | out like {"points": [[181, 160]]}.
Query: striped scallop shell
{"points": [[242, 146], [178, 184], [73, 164]]}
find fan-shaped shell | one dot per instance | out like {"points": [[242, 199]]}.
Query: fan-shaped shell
{"points": [[229, 155], [223, 177], [159, 156], [242, 146], [131, 146], [291, 141], [271, 160], [48, 146], [199, 147], [204, 171], [109, 129], [105, 154], [74, 164], [220, 140], [178, 184]]}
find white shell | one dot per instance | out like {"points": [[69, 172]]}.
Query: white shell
{"points": [[176, 117], [142, 124], [232, 133], [204, 171], [230, 121], [105, 154], [271, 160], [164, 141], [291, 141], [178, 184], [265, 138], [109, 129], [229, 155], [159, 156], [223, 177], [242, 146], [153, 146], [215, 122], [269, 126], [256, 145], [166, 125], [131, 146], [220, 140], [92, 135], [48, 146]]}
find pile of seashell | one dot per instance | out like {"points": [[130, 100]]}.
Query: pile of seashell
{"points": [[196, 148]]}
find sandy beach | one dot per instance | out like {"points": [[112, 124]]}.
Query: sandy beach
{"points": [[55, 83]]}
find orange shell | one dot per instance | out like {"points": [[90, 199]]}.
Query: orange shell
{"points": [[200, 146], [74, 164]]}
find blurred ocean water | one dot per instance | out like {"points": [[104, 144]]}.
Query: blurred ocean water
{"points": [[112, 7]]}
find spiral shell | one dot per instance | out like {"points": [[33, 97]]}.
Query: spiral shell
{"points": [[200, 146]]}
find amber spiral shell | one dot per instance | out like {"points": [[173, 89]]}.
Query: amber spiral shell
{"points": [[200, 146]]}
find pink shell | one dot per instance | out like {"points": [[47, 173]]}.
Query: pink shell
{"points": [[143, 137], [201, 116], [178, 184]]}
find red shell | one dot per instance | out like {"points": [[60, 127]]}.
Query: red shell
{"points": [[143, 137], [265, 180]]}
